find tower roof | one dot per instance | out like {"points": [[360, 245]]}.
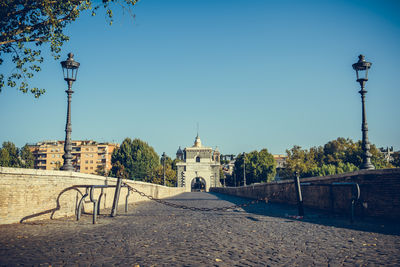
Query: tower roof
{"points": [[179, 152], [197, 141]]}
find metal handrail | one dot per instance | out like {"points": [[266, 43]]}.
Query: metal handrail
{"points": [[96, 207]]}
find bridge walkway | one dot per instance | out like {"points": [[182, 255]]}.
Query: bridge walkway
{"points": [[152, 234]]}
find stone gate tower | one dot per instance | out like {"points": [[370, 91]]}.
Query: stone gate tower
{"points": [[199, 168]]}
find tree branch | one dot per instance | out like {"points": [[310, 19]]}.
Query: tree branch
{"points": [[33, 28], [38, 39]]}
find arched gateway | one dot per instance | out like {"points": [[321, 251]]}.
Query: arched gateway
{"points": [[198, 184], [199, 167]]}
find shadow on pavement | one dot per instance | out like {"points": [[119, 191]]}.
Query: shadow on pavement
{"points": [[289, 212]]}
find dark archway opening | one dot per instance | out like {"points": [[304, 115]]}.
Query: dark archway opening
{"points": [[198, 185]]}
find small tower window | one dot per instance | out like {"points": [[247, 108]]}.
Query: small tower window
{"points": [[197, 159]]}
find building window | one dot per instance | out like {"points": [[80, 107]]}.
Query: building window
{"points": [[86, 161], [197, 159], [91, 161]]}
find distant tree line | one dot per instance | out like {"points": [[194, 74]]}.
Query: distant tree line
{"points": [[337, 156], [12, 156], [137, 160]]}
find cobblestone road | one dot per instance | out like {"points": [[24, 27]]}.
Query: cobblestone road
{"points": [[156, 235]]}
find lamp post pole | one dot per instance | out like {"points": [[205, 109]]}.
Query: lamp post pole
{"points": [[361, 67], [70, 69], [163, 159], [244, 169], [68, 129]]}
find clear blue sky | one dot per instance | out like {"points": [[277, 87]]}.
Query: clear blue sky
{"points": [[254, 74]]}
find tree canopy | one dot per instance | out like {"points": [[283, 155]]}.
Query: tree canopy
{"points": [[27, 158], [260, 167], [396, 159], [158, 177], [12, 156], [337, 156], [134, 159], [26, 25]]}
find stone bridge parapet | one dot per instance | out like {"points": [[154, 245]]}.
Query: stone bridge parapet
{"points": [[29, 194], [380, 193]]}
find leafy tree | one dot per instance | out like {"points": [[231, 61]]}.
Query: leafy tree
{"points": [[260, 167], [158, 177], [222, 176], [396, 159], [339, 150], [27, 158], [4, 158], [222, 161], [330, 169], [118, 170], [26, 25], [168, 161], [138, 159], [101, 170], [337, 156], [377, 158], [9, 155], [300, 161]]}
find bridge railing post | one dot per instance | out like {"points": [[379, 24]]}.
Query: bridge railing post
{"points": [[299, 196], [116, 198]]}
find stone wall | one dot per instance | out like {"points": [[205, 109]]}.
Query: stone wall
{"points": [[28, 194], [380, 193]]}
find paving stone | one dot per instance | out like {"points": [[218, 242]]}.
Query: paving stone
{"points": [[152, 234]]}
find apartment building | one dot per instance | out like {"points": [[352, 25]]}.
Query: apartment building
{"points": [[88, 156]]}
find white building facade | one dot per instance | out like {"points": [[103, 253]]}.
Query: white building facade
{"points": [[199, 167]]}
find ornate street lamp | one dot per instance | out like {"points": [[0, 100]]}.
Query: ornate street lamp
{"points": [[361, 68], [163, 159], [70, 70]]}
